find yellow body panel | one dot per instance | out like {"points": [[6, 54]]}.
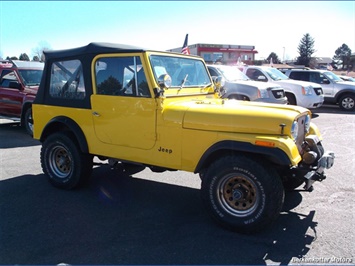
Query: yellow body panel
{"points": [[176, 129]]}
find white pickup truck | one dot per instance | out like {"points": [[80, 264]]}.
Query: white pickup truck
{"points": [[301, 93]]}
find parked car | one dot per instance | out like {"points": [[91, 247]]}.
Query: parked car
{"points": [[135, 107], [19, 81], [301, 93], [238, 86], [336, 90], [347, 78]]}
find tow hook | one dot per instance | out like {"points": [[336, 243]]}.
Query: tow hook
{"points": [[311, 178]]}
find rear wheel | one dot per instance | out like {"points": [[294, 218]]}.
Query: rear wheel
{"points": [[241, 194], [65, 165], [347, 102]]}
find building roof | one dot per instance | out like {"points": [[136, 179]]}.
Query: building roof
{"points": [[324, 60]]}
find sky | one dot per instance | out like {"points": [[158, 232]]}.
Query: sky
{"points": [[270, 26]]}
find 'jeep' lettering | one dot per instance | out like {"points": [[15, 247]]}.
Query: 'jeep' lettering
{"points": [[169, 151]]}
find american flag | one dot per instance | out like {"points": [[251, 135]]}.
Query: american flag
{"points": [[185, 48]]}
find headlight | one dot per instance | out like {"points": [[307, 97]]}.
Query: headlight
{"points": [[307, 123], [307, 90], [294, 130]]}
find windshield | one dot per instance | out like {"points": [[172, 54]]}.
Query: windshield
{"points": [[184, 72], [276, 74], [31, 77], [231, 73], [332, 76]]}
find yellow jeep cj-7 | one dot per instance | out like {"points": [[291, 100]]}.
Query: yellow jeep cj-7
{"points": [[162, 110]]}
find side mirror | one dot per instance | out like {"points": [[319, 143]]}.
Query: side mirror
{"points": [[219, 82], [164, 81], [14, 85], [325, 81]]}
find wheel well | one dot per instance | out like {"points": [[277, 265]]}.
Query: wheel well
{"points": [[338, 97], [62, 124], [263, 154], [24, 109], [291, 98]]}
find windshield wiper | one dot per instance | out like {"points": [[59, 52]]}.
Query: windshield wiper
{"points": [[207, 85], [183, 82]]}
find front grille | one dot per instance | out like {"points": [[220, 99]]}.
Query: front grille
{"points": [[301, 133], [318, 91], [278, 93]]}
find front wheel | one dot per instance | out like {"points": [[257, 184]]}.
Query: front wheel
{"points": [[65, 165], [347, 102], [241, 194]]}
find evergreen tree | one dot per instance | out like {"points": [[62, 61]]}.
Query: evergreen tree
{"points": [[24, 57], [274, 57], [305, 49], [343, 53]]}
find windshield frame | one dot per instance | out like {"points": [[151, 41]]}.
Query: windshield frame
{"points": [[185, 71], [25, 74], [331, 76]]}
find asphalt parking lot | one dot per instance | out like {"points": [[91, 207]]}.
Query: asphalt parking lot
{"points": [[153, 218]]}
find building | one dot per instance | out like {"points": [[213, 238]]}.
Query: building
{"points": [[225, 53]]}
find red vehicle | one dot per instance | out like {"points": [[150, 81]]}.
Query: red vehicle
{"points": [[19, 81]]}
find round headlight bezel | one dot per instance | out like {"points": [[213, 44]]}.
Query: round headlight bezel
{"points": [[307, 123]]}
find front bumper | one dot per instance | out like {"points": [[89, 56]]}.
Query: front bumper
{"points": [[325, 162]]}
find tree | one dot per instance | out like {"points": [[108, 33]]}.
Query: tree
{"points": [[24, 57], [11, 58], [305, 49], [35, 58], [38, 51], [343, 53], [274, 57]]}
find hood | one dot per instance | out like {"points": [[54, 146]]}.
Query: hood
{"points": [[239, 84], [233, 116], [248, 83], [31, 89], [286, 82], [345, 84]]}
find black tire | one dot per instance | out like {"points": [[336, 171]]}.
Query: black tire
{"points": [[347, 102], [292, 183], [241, 194], [65, 165], [28, 121]]}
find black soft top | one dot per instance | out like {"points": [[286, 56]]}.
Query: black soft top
{"points": [[93, 48]]}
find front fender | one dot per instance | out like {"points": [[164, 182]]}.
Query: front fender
{"points": [[275, 155]]}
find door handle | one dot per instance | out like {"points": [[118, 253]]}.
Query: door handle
{"points": [[95, 113]]}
